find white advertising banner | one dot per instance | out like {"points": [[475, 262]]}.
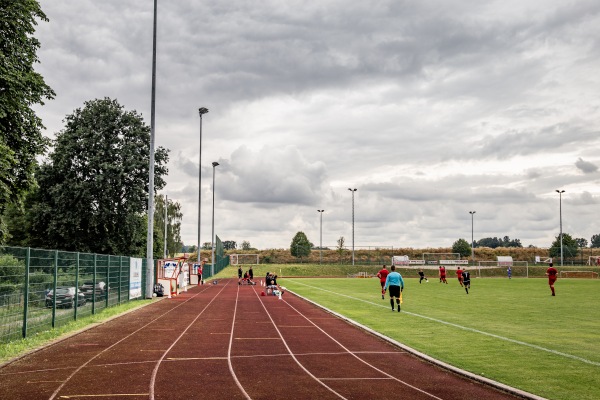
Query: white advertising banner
{"points": [[135, 278]]}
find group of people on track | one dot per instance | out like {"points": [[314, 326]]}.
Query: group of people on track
{"points": [[246, 278], [393, 281]]}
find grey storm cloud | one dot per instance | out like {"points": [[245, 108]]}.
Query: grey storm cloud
{"points": [[585, 166]]}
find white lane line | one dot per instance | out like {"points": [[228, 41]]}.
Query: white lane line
{"points": [[237, 381], [292, 354], [360, 359], [155, 371], [519, 342], [116, 343]]}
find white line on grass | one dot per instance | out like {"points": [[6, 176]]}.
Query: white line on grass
{"points": [[558, 353]]}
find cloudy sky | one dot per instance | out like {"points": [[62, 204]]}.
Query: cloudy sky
{"points": [[431, 109]]}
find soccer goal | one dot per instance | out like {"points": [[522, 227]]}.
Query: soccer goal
{"points": [[593, 260], [241, 259], [578, 274]]}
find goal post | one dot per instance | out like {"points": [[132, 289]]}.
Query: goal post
{"points": [[241, 259]]}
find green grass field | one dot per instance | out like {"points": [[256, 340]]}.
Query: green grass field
{"points": [[511, 331]]}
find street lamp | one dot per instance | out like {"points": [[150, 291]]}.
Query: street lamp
{"points": [[165, 237], [321, 237], [212, 246], [560, 192], [472, 241], [201, 111], [352, 190], [150, 232]]}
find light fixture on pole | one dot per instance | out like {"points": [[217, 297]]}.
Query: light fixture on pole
{"points": [[321, 237], [472, 240], [201, 111], [150, 232], [212, 246], [352, 190], [560, 192], [166, 222]]}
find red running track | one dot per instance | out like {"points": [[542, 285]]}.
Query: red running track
{"points": [[227, 342]]}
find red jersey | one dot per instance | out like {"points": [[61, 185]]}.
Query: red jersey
{"points": [[383, 275], [551, 272], [442, 271], [459, 273]]}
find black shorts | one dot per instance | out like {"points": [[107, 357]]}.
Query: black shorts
{"points": [[394, 291]]}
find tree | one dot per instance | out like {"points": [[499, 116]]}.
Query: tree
{"points": [[246, 245], [93, 192], [300, 246], [569, 246], [595, 241], [229, 245], [340, 247], [21, 139], [174, 217], [496, 242], [462, 247], [581, 242]]}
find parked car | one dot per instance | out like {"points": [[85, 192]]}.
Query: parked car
{"points": [[88, 291], [159, 289], [65, 297]]}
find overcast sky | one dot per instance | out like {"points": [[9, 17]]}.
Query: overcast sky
{"points": [[431, 109]]}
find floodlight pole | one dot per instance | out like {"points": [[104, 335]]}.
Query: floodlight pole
{"points": [[201, 111], [321, 237], [212, 267], [560, 192], [150, 232], [166, 222], [352, 190], [472, 240]]}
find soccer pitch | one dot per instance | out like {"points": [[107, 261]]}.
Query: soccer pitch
{"points": [[511, 331]]}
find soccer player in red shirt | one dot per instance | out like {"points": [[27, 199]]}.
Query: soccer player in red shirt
{"points": [[443, 275], [551, 272], [459, 276], [382, 275]]}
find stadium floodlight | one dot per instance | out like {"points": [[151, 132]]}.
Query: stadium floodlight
{"points": [[560, 192], [472, 240], [150, 232], [166, 222], [321, 237], [212, 246], [352, 190], [201, 111]]}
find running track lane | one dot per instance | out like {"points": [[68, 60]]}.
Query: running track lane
{"points": [[227, 342]]}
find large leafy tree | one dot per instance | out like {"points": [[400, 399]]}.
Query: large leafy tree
{"points": [[300, 246], [595, 241], [21, 88], [462, 247], [570, 246], [93, 192]]}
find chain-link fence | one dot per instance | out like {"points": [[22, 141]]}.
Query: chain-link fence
{"points": [[42, 289]]}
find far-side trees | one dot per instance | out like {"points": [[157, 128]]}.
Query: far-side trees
{"points": [[462, 247], [595, 241], [93, 192], [300, 246], [21, 88], [569, 246], [174, 217]]}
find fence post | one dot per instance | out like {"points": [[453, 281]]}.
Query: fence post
{"points": [[94, 282], [120, 277], [76, 300], [26, 292], [107, 279], [54, 288]]}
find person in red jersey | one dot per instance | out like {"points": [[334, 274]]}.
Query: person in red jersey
{"points": [[382, 275], [443, 275], [459, 276], [552, 273]]}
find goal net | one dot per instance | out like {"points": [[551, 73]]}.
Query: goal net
{"points": [[594, 261], [578, 274], [241, 259]]}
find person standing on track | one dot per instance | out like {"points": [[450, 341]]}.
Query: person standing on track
{"points": [[552, 275], [240, 273], [466, 280], [459, 276], [382, 275], [396, 284]]}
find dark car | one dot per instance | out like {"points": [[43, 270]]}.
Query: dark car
{"points": [[159, 289], [65, 297], [88, 291]]}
